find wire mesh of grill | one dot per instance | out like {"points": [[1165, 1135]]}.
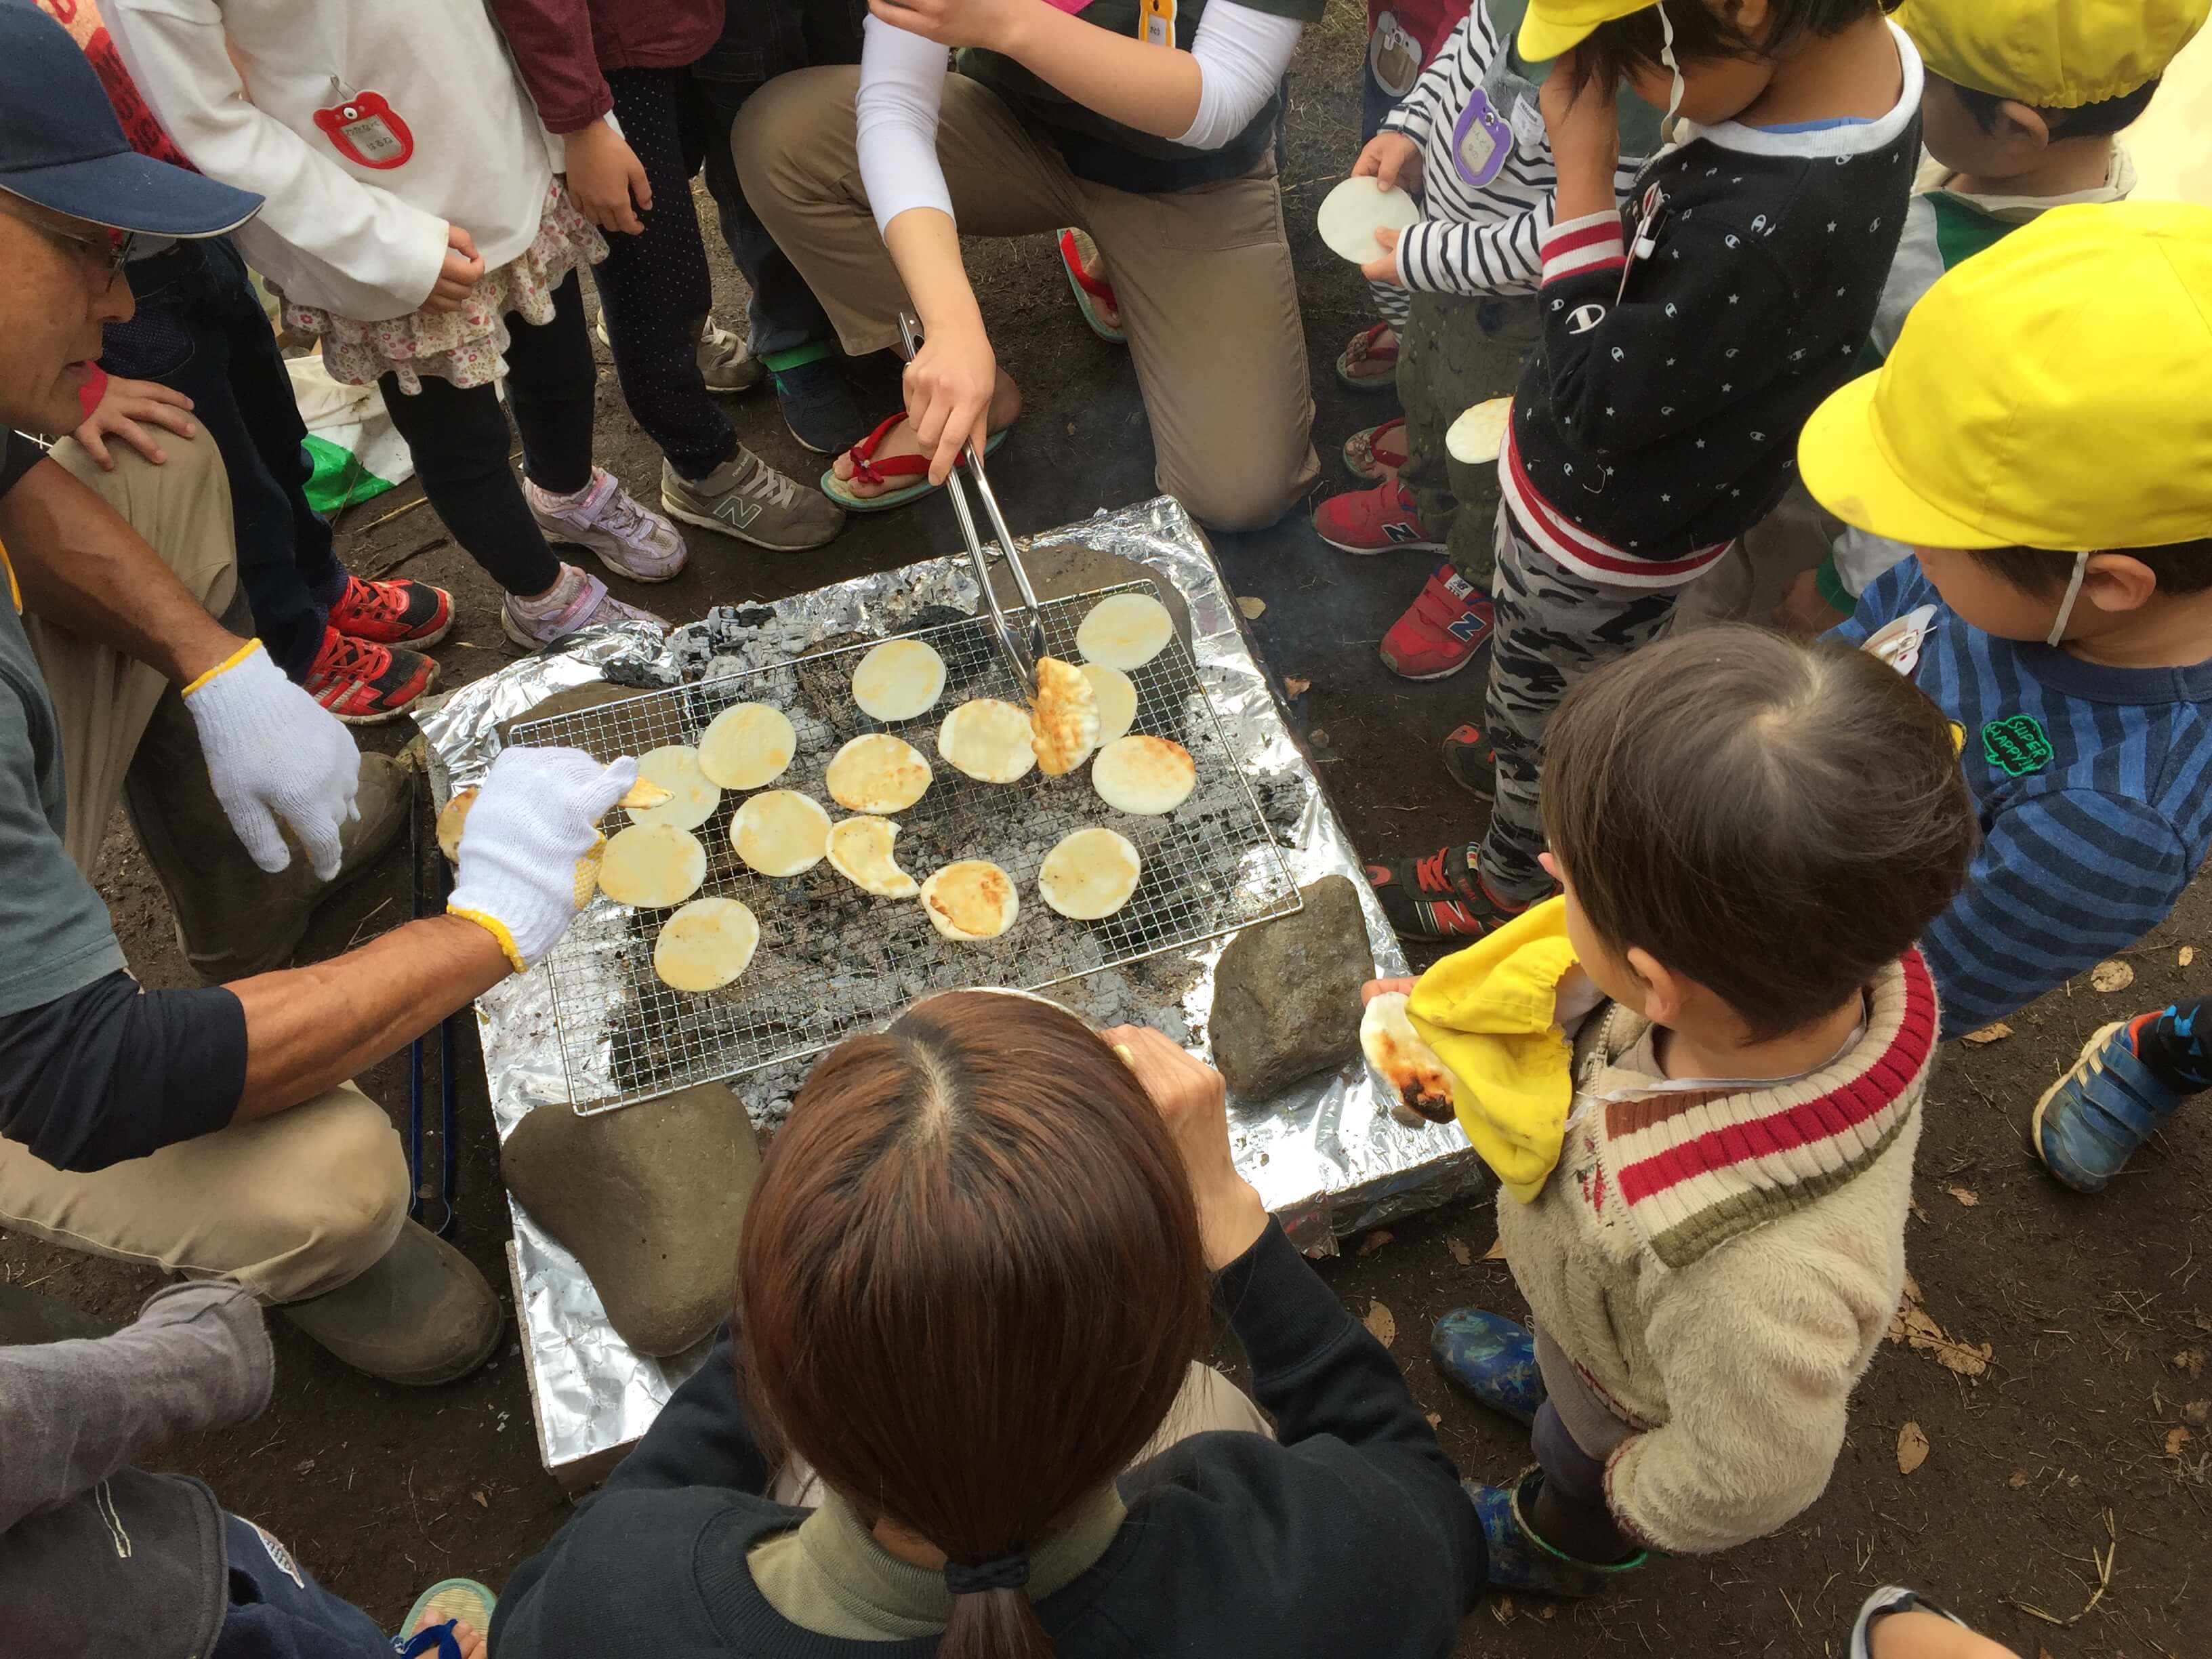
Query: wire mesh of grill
{"points": [[832, 959]]}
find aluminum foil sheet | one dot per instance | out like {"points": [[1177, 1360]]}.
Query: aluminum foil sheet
{"points": [[1327, 1157]]}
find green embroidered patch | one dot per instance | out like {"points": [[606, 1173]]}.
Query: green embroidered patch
{"points": [[2018, 744]]}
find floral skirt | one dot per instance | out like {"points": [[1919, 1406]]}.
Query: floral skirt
{"points": [[467, 347]]}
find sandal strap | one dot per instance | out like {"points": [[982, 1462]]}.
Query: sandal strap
{"points": [[1071, 255], [438, 1638], [1363, 343], [867, 470]]}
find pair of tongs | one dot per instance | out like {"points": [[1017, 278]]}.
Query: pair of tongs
{"points": [[1022, 650]]}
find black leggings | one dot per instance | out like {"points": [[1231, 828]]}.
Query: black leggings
{"points": [[459, 439]]}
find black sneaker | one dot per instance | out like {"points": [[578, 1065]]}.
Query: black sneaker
{"points": [[1469, 759], [1441, 897], [818, 407]]}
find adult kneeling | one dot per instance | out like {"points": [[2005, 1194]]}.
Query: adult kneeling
{"points": [[1162, 152], [972, 1295]]}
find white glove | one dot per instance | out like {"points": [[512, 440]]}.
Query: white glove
{"points": [[273, 752], [536, 815]]}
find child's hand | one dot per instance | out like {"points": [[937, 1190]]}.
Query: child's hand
{"points": [[1390, 159], [1804, 608], [1384, 988], [948, 393], [1384, 267], [125, 410], [1584, 131], [464, 270], [1194, 1102], [605, 176]]}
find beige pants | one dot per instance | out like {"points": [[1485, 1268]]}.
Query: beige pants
{"points": [[1209, 1400], [1202, 276], [288, 1205]]}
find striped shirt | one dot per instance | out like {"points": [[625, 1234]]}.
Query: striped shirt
{"points": [[1479, 239], [2090, 782]]}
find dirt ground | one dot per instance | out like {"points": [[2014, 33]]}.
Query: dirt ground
{"points": [[2068, 1478]]}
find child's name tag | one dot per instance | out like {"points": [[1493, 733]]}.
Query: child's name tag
{"points": [[1156, 21], [368, 131], [1480, 142]]}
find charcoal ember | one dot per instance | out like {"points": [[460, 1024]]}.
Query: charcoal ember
{"points": [[1286, 993], [643, 673]]}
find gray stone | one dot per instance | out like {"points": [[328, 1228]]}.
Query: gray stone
{"points": [[650, 1199], [1286, 993]]}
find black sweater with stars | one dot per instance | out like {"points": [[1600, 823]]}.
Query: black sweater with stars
{"points": [[1653, 426]]}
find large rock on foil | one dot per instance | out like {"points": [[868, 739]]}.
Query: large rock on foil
{"points": [[650, 1199], [1286, 993]]}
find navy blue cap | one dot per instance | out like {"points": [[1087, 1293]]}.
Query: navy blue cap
{"points": [[62, 147]]}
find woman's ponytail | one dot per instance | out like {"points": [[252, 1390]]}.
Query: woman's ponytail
{"points": [[995, 1624]]}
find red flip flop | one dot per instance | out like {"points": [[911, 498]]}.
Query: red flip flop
{"points": [[1075, 246], [1375, 453], [1364, 344], [867, 469]]}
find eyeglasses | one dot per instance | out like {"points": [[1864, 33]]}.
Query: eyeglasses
{"points": [[110, 249]]}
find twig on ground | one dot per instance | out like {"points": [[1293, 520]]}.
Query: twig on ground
{"points": [[2103, 1583]]}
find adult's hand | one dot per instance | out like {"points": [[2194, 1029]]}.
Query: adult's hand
{"points": [[604, 178], [127, 409], [537, 817], [948, 393], [990, 24], [1194, 1102], [464, 269], [274, 756]]}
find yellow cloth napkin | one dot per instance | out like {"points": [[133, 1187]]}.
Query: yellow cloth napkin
{"points": [[1490, 1012]]}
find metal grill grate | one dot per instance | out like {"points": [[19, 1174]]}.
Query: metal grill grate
{"points": [[832, 960]]}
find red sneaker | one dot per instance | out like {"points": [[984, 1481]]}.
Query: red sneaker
{"points": [[1377, 521], [1440, 631], [364, 684], [1442, 896], [394, 612]]}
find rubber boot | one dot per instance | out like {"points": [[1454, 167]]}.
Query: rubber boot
{"points": [[1520, 1560], [422, 1315], [1492, 1358], [234, 920]]}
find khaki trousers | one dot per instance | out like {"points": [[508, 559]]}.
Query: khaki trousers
{"points": [[1202, 276], [288, 1205]]}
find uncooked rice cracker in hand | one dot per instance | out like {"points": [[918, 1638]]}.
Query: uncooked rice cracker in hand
{"points": [[1145, 776], [706, 945], [652, 865], [877, 773], [1117, 700], [1416, 1080], [748, 746], [970, 900], [1064, 722], [898, 680], [1090, 875], [693, 796], [1477, 437], [1125, 631], [860, 850], [987, 739], [455, 814], [780, 832]]}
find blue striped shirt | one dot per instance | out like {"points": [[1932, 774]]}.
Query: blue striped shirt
{"points": [[2091, 785]]}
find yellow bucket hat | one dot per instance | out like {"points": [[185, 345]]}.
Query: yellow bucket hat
{"points": [[2049, 394], [1551, 27], [2053, 54]]}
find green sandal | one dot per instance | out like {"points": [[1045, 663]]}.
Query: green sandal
{"points": [[451, 1601]]}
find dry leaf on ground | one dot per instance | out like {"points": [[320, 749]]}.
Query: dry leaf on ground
{"points": [[2188, 955], [1460, 1252], [1912, 1326], [482, 1502], [1996, 1032], [1375, 1241], [2019, 1480], [1253, 609], [1965, 1195], [1435, 1418], [2190, 1360], [2176, 1439], [1296, 686], [1501, 1610], [1911, 1448], [1382, 1323], [2110, 976], [1495, 1252], [2198, 1412]]}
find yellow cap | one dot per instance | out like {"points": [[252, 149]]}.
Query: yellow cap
{"points": [[2054, 54], [1551, 27], [2049, 394]]}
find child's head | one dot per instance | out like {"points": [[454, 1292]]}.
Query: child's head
{"points": [[2039, 432], [1750, 828], [1727, 50], [2009, 79], [970, 1283]]}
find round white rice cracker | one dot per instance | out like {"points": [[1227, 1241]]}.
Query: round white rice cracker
{"points": [[706, 945], [1144, 776], [692, 795], [1125, 631], [1064, 721], [1416, 1080], [877, 773], [748, 746], [652, 865], [988, 740], [860, 850], [1090, 874], [1117, 700], [971, 900], [780, 832], [1351, 214], [898, 680], [1477, 436]]}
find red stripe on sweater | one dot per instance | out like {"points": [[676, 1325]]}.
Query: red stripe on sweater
{"points": [[1590, 236], [1599, 556], [1824, 1118]]}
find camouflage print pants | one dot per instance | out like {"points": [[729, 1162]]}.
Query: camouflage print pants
{"points": [[1555, 626], [1452, 354]]}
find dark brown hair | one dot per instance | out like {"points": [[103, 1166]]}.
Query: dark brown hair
{"points": [[1622, 44], [1775, 820], [970, 1283], [2098, 120], [2180, 566]]}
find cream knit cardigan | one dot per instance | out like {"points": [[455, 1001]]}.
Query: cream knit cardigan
{"points": [[1719, 1267]]}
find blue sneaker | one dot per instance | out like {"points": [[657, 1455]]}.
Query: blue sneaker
{"points": [[819, 407], [1519, 1560], [2089, 1121], [1492, 1358]]}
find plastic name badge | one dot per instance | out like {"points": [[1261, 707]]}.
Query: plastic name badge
{"points": [[368, 131]]}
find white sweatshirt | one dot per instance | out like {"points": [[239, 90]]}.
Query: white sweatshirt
{"points": [[362, 242]]}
